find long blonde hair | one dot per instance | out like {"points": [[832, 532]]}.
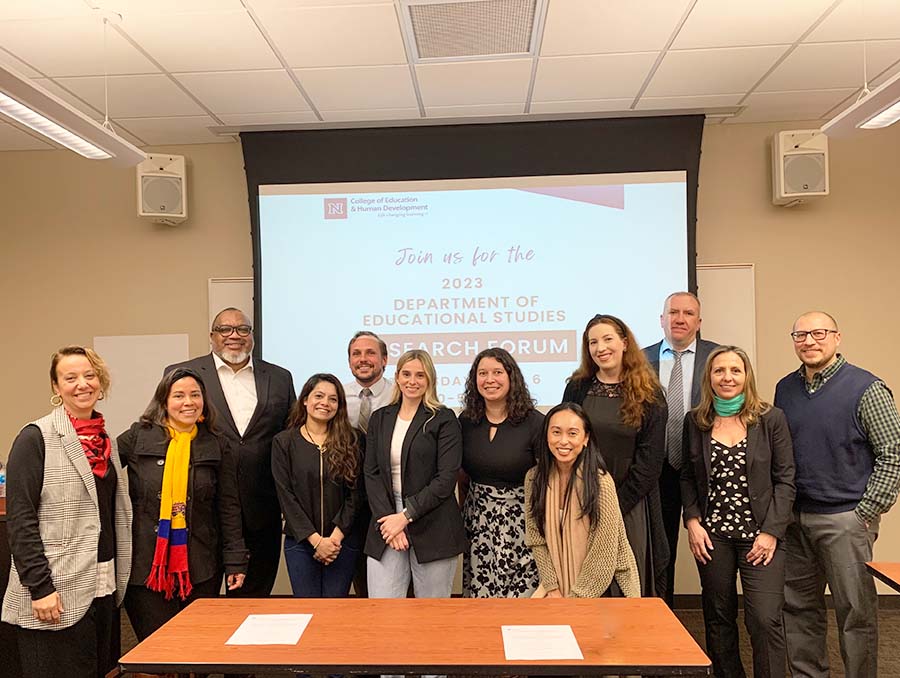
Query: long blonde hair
{"points": [[430, 399], [705, 413]]}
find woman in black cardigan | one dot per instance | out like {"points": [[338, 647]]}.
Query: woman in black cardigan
{"points": [[623, 399], [317, 467], [161, 584], [413, 455], [737, 486]]}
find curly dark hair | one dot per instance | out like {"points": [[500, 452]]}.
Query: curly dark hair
{"points": [[518, 402], [342, 451]]}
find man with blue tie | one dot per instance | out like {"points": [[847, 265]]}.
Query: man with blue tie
{"points": [[679, 360]]}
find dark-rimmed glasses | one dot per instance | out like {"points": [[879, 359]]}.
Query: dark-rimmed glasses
{"points": [[226, 330], [819, 335]]}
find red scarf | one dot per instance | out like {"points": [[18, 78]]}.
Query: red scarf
{"points": [[96, 444]]}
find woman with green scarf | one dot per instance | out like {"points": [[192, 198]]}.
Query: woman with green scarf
{"points": [[737, 487], [182, 478]]}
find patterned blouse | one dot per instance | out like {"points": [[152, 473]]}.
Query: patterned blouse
{"points": [[729, 513]]}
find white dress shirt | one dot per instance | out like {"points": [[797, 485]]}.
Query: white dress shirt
{"points": [[381, 396], [240, 391]]}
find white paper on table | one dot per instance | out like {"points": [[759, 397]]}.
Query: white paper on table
{"points": [[540, 642], [270, 629]]}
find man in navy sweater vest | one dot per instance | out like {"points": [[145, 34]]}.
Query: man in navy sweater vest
{"points": [[846, 433]]}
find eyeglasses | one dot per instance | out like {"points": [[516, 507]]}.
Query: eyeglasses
{"points": [[226, 330], [819, 335]]}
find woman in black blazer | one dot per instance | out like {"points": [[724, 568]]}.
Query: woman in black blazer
{"points": [[413, 455], [737, 487]]}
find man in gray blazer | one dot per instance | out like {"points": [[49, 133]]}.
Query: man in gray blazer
{"points": [[253, 399], [679, 360]]}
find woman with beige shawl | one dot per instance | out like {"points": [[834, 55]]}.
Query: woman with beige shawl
{"points": [[574, 527]]}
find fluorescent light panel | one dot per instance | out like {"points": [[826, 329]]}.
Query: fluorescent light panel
{"points": [[879, 108], [31, 105]]}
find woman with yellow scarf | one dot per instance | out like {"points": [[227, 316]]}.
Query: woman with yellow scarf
{"points": [[183, 483]]}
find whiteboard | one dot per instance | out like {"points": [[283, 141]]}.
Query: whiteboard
{"points": [[727, 295], [225, 292]]}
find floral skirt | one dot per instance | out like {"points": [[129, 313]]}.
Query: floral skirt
{"points": [[497, 564]]}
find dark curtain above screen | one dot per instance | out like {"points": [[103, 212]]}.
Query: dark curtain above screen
{"points": [[473, 151]]}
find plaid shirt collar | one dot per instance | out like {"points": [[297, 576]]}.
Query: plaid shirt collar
{"points": [[822, 376]]}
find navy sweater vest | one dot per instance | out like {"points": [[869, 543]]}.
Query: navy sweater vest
{"points": [[832, 453]]}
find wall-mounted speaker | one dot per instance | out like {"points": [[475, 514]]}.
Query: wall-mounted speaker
{"points": [[162, 189], [799, 166]]}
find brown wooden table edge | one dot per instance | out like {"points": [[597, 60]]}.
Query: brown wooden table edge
{"points": [[517, 669], [872, 567]]}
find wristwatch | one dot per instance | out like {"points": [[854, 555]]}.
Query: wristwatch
{"points": [[406, 514]]}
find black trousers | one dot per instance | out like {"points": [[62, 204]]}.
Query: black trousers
{"points": [[670, 502], [763, 602], [264, 546], [90, 648], [148, 610]]}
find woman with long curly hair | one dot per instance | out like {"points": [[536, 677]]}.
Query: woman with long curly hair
{"points": [[501, 432], [623, 399], [317, 467]]}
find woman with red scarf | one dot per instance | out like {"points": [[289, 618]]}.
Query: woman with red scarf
{"points": [[187, 515], [69, 520]]}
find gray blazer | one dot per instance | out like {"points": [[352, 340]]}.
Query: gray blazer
{"points": [[704, 348], [69, 525]]}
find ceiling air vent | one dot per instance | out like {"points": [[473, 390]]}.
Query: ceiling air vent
{"points": [[468, 29]]}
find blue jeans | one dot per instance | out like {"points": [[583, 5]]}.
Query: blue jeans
{"points": [[312, 579]]}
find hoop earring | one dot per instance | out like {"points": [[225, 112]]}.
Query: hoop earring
{"points": [[56, 400], [101, 396]]}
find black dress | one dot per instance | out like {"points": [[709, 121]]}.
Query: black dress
{"points": [[497, 563], [634, 458]]}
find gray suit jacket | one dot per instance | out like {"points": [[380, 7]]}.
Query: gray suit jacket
{"points": [[704, 348]]}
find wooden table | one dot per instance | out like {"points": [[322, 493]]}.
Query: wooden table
{"points": [[432, 636], [889, 573], [9, 649]]}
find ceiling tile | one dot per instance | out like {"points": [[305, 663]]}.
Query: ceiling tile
{"points": [[285, 118], [476, 111], [712, 71], [668, 103], [70, 47], [372, 114], [785, 106], [606, 76], [724, 23], [591, 27], [831, 65], [362, 35], [134, 96], [14, 139], [129, 8], [860, 20], [69, 98], [592, 106], [358, 88], [474, 82], [44, 9], [182, 130], [245, 91], [220, 41], [288, 4]]}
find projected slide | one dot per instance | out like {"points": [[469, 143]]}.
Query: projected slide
{"points": [[455, 267]]}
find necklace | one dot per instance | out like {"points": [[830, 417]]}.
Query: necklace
{"points": [[321, 447]]}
